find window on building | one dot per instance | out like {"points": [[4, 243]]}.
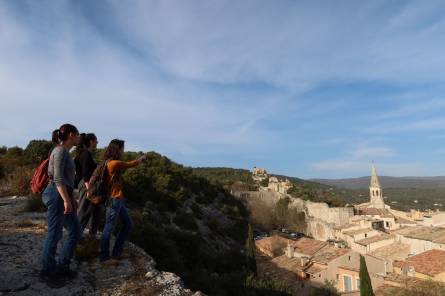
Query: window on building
{"points": [[337, 276], [357, 282], [366, 235], [349, 258], [387, 224], [347, 283]]}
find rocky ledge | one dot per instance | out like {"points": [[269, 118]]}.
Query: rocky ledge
{"points": [[21, 240]]}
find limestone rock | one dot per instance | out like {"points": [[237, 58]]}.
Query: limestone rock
{"points": [[21, 240]]}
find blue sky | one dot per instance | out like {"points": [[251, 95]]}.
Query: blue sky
{"points": [[303, 88]]}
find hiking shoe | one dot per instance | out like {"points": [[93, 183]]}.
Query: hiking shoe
{"points": [[56, 282], [44, 275], [67, 273], [124, 255], [110, 262], [52, 280]]}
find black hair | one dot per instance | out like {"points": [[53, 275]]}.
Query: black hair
{"points": [[61, 134], [84, 142]]}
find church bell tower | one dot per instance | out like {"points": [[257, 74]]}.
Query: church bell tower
{"points": [[375, 191]]}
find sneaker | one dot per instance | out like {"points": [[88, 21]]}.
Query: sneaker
{"points": [[110, 262], [67, 273], [44, 275], [124, 255], [52, 279], [56, 282]]}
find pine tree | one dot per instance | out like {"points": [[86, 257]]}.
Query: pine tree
{"points": [[365, 280], [250, 252]]}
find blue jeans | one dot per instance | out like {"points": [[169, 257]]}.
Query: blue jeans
{"points": [[56, 221], [115, 208]]}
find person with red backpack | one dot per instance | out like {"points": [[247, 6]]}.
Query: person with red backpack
{"points": [[58, 199], [116, 202]]}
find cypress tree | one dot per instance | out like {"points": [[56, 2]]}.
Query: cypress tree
{"points": [[365, 280], [250, 252]]}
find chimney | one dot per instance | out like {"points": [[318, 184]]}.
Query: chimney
{"points": [[304, 261], [289, 250]]}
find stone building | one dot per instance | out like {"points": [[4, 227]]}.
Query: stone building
{"points": [[421, 238], [279, 186], [429, 265], [259, 174]]}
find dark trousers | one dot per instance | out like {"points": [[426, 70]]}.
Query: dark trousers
{"points": [[56, 221], [89, 213], [115, 209]]}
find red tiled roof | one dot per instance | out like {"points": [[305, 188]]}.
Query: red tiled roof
{"points": [[430, 262], [313, 269], [374, 211], [326, 255], [307, 246], [374, 239], [290, 264], [268, 244]]}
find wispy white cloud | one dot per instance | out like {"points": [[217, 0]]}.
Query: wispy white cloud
{"points": [[366, 152], [281, 44], [106, 90], [212, 77], [357, 160], [344, 168], [413, 108]]}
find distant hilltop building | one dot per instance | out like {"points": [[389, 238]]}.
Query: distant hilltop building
{"points": [[259, 174], [274, 184], [279, 186]]}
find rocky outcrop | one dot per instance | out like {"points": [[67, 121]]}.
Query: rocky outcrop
{"points": [[21, 239]]}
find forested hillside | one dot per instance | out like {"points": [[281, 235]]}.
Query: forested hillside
{"points": [[190, 225]]}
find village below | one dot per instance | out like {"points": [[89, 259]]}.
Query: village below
{"points": [[318, 246]]}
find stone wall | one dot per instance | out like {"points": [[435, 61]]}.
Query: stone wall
{"points": [[336, 216], [320, 218], [319, 229]]}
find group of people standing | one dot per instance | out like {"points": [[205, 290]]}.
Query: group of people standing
{"points": [[64, 211]]}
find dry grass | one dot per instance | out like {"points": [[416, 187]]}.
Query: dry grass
{"points": [[139, 286], [25, 224]]}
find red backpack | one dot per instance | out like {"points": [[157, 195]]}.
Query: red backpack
{"points": [[40, 178]]}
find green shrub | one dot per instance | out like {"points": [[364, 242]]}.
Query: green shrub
{"points": [[2, 171], [204, 199], [186, 221], [259, 287], [213, 224], [328, 289], [37, 150], [14, 152], [196, 210]]}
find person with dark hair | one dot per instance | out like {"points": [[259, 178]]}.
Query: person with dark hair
{"points": [[58, 199], [116, 203], [89, 213]]}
